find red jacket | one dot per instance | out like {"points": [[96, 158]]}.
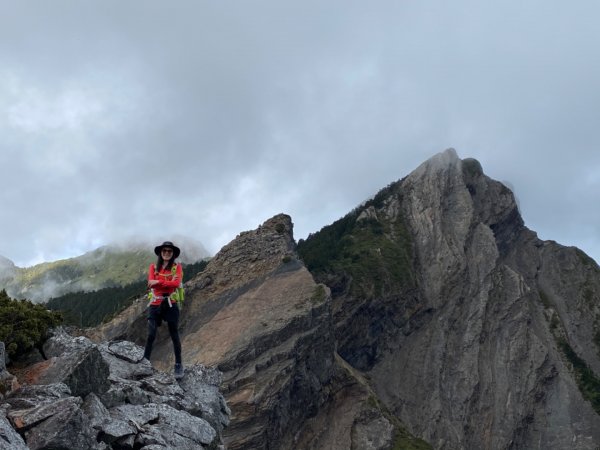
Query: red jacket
{"points": [[167, 282]]}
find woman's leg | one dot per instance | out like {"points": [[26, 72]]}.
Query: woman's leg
{"points": [[176, 341], [154, 321], [151, 337]]}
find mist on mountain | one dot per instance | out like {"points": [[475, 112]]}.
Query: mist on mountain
{"points": [[117, 264]]}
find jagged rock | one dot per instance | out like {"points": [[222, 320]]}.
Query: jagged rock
{"points": [[95, 410], [24, 419], [125, 350], [202, 397], [153, 424], [125, 391], [139, 406], [83, 370], [61, 424], [61, 343], [31, 396], [178, 429], [125, 360], [9, 438], [8, 382]]}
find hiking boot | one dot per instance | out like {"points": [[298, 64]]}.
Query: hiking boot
{"points": [[178, 371]]}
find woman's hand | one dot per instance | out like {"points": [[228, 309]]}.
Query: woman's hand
{"points": [[152, 283]]}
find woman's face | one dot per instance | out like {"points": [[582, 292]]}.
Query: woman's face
{"points": [[166, 253]]}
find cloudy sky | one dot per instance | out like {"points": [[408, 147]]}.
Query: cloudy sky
{"points": [[146, 119]]}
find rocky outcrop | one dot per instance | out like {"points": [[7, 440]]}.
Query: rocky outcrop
{"points": [[89, 396], [492, 335], [257, 314]]}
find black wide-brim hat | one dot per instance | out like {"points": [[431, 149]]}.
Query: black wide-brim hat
{"points": [[168, 244]]}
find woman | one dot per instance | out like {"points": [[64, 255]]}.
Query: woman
{"points": [[164, 278]]}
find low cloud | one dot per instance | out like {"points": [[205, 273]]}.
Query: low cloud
{"points": [[134, 119]]}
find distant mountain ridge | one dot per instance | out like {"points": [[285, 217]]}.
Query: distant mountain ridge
{"points": [[107, 266]]}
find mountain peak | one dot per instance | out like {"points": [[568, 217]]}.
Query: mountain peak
{"points": [[439, 162], [6, 264]]}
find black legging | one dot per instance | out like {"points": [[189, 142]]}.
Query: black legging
{"points": [[155, 317]]}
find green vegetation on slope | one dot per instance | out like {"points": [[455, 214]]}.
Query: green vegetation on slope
{"points": [[374, 252], [104, 267], [24, 325], [88, 309], [587, 381]]}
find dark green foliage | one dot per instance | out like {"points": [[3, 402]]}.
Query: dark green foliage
{"points": [[587, 381], [319, 249], [403, 440], [191, 270], [319, 294], [24, 325], [384, 193], [375, 254], [88, 309]]}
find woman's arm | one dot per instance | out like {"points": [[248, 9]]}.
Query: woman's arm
{"points": [[152, 279], [173, 283]]}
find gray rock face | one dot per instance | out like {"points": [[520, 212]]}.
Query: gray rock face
{"points": [[89, 396], [481, 367], [9, 438]]}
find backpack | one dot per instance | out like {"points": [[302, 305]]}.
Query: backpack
{"points": [[178, 294]]}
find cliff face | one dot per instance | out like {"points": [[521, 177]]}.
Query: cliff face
{"points": [[484, 348]]}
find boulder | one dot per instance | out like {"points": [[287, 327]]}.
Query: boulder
{"points": [[9, 438], [89, 396]]}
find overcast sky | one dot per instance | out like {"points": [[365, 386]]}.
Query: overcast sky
{"points": [[147, 119]]}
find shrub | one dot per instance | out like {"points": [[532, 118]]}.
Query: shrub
{"points": [[24, 325], [376, 256], [587, 381]]}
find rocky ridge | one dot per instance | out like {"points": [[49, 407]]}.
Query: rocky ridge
{"points": [[435, 311], [257, 314], [490, 344], [89, 396]]}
